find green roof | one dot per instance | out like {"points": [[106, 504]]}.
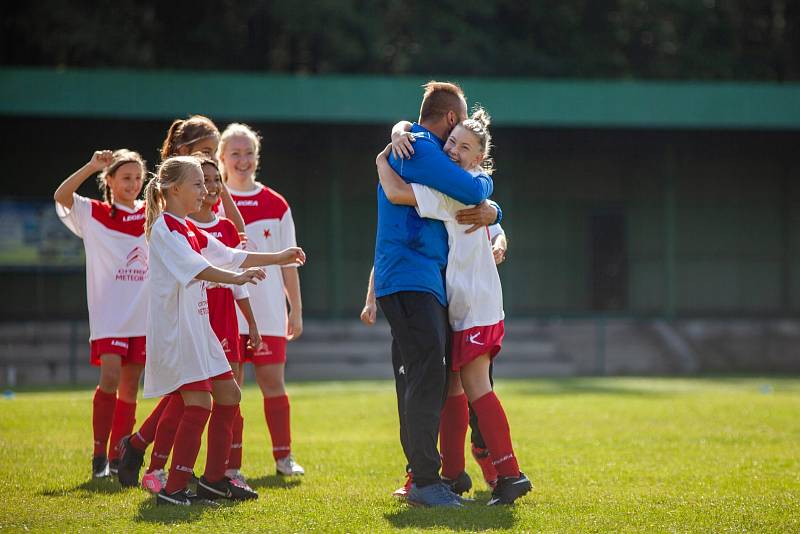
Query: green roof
{"points": [[381, 99]]}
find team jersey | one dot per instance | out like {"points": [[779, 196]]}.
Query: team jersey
{"points": [[269, 228], [474, 293], [182, 345], [116, 264], [220, 294]]}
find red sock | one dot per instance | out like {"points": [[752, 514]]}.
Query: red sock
{"points": [[187, 445], [452, 432], [165, 433], [235, 456], [276, 410], [147, 432], [495, 431], [124, 419], [102, 415], [220, 434]]}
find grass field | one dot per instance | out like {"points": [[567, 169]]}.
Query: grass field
{"points": [[605, 455]]}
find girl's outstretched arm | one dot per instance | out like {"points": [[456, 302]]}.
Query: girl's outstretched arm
{"points": [[285, 257]]}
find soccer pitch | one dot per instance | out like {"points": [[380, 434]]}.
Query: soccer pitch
{"points": [[604, 454]]}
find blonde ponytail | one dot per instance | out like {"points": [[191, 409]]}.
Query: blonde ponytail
{"points": [[154, 202]]}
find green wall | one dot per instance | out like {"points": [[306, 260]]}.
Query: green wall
{"points": [[732, 224]]}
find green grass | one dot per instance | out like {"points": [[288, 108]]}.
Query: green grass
{"points": [[605, 455]]}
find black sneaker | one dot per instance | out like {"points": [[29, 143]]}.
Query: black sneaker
{"points": [[197, 500], [193, 479], [509, 489], [459, 485], [179, 498], [113, 466], [130, 463], [226, 489], [184, 497], [100, 467]]}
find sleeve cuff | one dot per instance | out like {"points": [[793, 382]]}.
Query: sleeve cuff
{"points": [[499, 212]]}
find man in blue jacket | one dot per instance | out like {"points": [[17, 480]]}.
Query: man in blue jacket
{"points": [[410, 262]]}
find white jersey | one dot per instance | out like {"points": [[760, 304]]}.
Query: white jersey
{"points": [[116, 264], [474, 293], [270, 228], [181, 346]]}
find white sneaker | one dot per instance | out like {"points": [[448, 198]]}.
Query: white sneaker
{"points": [[237, 475], [288, 467]]}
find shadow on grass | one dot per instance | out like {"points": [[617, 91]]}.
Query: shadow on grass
{"points": [[106, 485], [274, 481], [591, 386], [149, 512], [475, 516]]}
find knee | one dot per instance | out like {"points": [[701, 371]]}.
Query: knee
{"points": [[270, 380], [234, 396], [109, 378]]}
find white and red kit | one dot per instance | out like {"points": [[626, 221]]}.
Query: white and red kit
{"points": [[474, 293], [182, 346], [221, 305], [270, 228], [116, 274]]}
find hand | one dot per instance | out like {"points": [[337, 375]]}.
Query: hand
{"points": [[254, 341], [481, 215], [253, 275], [242, 240], [100, 160], [369, 313], [295, 328], [402, 144], [292, 255], [499, 252]]}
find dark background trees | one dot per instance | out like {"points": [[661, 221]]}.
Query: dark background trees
{"points": [[656, 39]]}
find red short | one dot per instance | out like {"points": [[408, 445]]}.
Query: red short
{"points": [[205, 385], [476, 341], [226, 328], [272, 350], [131, 349]]}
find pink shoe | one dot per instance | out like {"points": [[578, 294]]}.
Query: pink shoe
{"points": [[154, 481], [402, 492]]}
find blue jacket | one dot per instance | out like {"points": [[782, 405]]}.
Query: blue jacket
{"points": [[411, 252]]}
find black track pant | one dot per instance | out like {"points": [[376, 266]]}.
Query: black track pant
{"points": [[420, 345]]}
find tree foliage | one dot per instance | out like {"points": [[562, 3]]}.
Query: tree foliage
{"points": [[647, 39]]}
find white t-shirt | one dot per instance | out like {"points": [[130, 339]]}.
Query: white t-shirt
{"points": [[269, 228], [116, 265], [474, 293], [181, 346]]}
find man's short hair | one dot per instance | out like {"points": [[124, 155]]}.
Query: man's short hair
{"points": [[439, 98]]}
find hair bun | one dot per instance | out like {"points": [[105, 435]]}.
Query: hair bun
{"points": [[482, 116]]}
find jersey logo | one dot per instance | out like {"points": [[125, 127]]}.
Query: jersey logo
{"points": [[118, 343], [247, 202], [266, 233], [137, 255], [401, 370], [225, 346], [134, 217], [473, 338]]}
